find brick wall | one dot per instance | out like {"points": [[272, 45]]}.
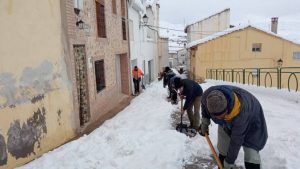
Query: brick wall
{"points": [[98, 49]]}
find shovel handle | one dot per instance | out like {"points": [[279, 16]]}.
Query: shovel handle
{"points": [[181, 110], [214, 151]]}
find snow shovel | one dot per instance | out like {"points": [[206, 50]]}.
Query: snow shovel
{"points": [[143, 86], [183, 128], [214, 152]]}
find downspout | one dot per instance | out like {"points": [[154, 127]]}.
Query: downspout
{"points": [[129, 52]]}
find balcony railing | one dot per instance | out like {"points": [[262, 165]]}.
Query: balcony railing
{"points": [[285, 77]]}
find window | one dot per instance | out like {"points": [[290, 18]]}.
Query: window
{"points": [[123, 10], [124, 29], [78, 4], [100, 75], [114, 6], [256, 47], [296, 55], [100, 13]]}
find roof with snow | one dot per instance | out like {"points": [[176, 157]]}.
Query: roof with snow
{"points": [[137, 5], [227, 9], [149, 3], [231, 30]]}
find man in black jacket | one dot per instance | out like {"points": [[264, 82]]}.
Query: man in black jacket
{"points": [[168, 74], [192, 91], [241, 123]]}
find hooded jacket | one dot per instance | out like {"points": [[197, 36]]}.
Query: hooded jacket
{"points": [[247, 127], [191, 90], [168, 75]]}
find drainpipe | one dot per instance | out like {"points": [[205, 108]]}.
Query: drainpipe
{"points": [[129, 59]]}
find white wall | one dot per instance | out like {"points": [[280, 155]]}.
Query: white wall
{"points": [[143, 41], [163, 54], [210, 25]]}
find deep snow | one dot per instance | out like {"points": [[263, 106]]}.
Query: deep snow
{"points": [[141, 136]]}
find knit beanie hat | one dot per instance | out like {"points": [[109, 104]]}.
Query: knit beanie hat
{"points": [[216, 102], [177, 82], [167, 68]]}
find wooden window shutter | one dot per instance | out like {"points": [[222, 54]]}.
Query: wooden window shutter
{"points": [[114, 6], [123, 8], [100, 75], [100, 13]]}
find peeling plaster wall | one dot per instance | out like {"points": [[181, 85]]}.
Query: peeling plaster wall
{"points": [[35, 91]]}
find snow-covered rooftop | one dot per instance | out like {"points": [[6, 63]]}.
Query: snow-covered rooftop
{"points": [[138, 6], [231, 30], [151, 2], [209, 16]]}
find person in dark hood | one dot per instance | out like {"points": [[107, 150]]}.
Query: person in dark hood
{"points": [[241, 123], [192, 91], [168, 74]]}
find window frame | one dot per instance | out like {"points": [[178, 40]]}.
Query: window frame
{"points": [[100, 75], [124, 31], [256, 47], [100, 18], [114, 6], [123, 8], [296, 55]]}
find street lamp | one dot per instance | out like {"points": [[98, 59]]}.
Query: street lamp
{"points": [[145, 19], [80, 24], [279, 63]]}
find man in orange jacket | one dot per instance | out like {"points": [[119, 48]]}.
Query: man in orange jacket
{"points": [[136, 76]]}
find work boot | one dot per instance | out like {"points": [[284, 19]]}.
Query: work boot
{"points": [[222, 158], [252, 166]]}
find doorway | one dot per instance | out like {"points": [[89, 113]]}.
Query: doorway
{"points": [[118, 74], [150, 70], [82, 83]]}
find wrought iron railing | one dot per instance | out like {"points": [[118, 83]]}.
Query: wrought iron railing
{"points": [[285, 77]]}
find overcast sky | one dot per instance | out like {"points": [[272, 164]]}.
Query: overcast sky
{"points": [[180, 11]]}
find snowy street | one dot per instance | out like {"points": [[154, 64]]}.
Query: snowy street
{"points": [[142, 136]]}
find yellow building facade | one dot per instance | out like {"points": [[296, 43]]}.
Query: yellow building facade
{"points": [[46, 60], [245, 47], [36, 104]]}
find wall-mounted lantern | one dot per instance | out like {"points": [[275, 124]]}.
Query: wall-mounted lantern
{"points": [[145, 19], [279, 63], [76, 11], [80, 24]]}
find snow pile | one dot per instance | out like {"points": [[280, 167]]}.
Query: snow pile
{"points": [[141, 136]]}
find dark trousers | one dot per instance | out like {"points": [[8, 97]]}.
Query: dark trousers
{"points": [[136, 83], [247, 165], [173, 95]]}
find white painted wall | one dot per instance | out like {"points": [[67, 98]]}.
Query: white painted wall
{"points": [[163, 53], [182, 57], [143, 41], [210, 25]]}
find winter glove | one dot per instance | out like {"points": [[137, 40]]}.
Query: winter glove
{"points": [[203, 129], [228, 166]]}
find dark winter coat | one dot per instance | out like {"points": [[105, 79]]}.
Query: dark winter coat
{"points": [[248, 128], [167, 76], [191, 90]]}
